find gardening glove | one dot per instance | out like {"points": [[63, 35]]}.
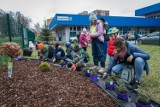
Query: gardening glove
{"points": [[54, 60], [74, 67]]}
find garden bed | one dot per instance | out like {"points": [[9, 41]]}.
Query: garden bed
{"points": [[29, 87]]}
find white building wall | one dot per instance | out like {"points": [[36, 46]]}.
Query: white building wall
{"points": [[67, 32]]}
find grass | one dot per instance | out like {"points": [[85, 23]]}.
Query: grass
{"points": [[151, 84], [4, 59]]}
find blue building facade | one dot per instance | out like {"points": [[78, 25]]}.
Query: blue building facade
{"points": [[69, 25]]}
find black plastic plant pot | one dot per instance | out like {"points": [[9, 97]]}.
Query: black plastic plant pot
{"points": [[94, 78], [69, 65], [27, 52], [78, 69], [87, 74], [110, 86], [123, 96], [142, 105]]}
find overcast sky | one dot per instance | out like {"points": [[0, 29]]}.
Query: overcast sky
{"points": [[38, 10]]}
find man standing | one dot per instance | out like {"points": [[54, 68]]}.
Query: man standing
{"points": [[106, 38]]}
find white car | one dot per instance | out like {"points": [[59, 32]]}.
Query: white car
{"points": [[73, 39]]}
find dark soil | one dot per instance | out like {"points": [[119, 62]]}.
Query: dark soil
{"points": [[29, 87]]}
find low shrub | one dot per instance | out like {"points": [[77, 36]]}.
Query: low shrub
{"points": [[11, 49], [44, 66]]}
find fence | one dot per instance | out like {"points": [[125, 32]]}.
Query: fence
{"points": [[12, 31]]}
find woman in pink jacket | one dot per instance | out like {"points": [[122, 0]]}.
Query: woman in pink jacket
{"points": [[83, 39]]}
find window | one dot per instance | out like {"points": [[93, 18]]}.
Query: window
{"points": [[74, 28], [70, 28], [78, 28], [72, 34]]}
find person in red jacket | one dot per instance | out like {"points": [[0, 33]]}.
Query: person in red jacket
{"points": [[112, 32]]}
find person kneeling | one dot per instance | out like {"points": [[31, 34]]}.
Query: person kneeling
{"points": [[128, 54]]}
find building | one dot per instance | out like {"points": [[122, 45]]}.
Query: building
{"points": [[152, 11], [101, 12], [84, 13], [69, 25]]}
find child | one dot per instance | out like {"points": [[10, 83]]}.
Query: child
{"points": [[45, 51], [59, 53], [83, 39], [69, 50], [112, 32]]}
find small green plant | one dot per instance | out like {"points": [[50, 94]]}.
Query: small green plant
{"points": [[143, 99], [93, 73], [122, 89], [85, 69], [108, 80], [44, 66], [4, 59]]}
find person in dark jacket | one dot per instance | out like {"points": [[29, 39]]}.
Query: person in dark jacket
{"points": [[69, 50], [59, 53], [106, 37], [126, 53]]}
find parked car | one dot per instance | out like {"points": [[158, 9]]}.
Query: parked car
{"points": [[73, 39], [152, 38]]}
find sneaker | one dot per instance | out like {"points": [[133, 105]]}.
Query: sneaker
{"points": [[136, 86]]}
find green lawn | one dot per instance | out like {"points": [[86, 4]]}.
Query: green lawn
{"points": [[151, 84]]}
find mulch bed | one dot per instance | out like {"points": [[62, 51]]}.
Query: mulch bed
{"points": [[29, 87]]}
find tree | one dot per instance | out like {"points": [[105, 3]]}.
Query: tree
{"points": [[37, 28], [25, 21], [46, 33], [20, 18]]}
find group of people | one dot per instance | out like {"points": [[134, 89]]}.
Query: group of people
{"points": [[105, 41], [121, 52], [56, 53]]}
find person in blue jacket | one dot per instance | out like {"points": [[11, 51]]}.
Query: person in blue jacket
{"points": [[127, 53], [59, 53]]}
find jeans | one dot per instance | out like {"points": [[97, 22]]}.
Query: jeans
{"points": [[105, 49], [111, 58], [98, 52], [139, 64]]}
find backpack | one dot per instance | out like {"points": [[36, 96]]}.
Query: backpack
{"points": [[128, 74]]}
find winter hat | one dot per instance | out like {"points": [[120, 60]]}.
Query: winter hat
{"points": [[92, 17], [40, 46], [84, 30]]}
